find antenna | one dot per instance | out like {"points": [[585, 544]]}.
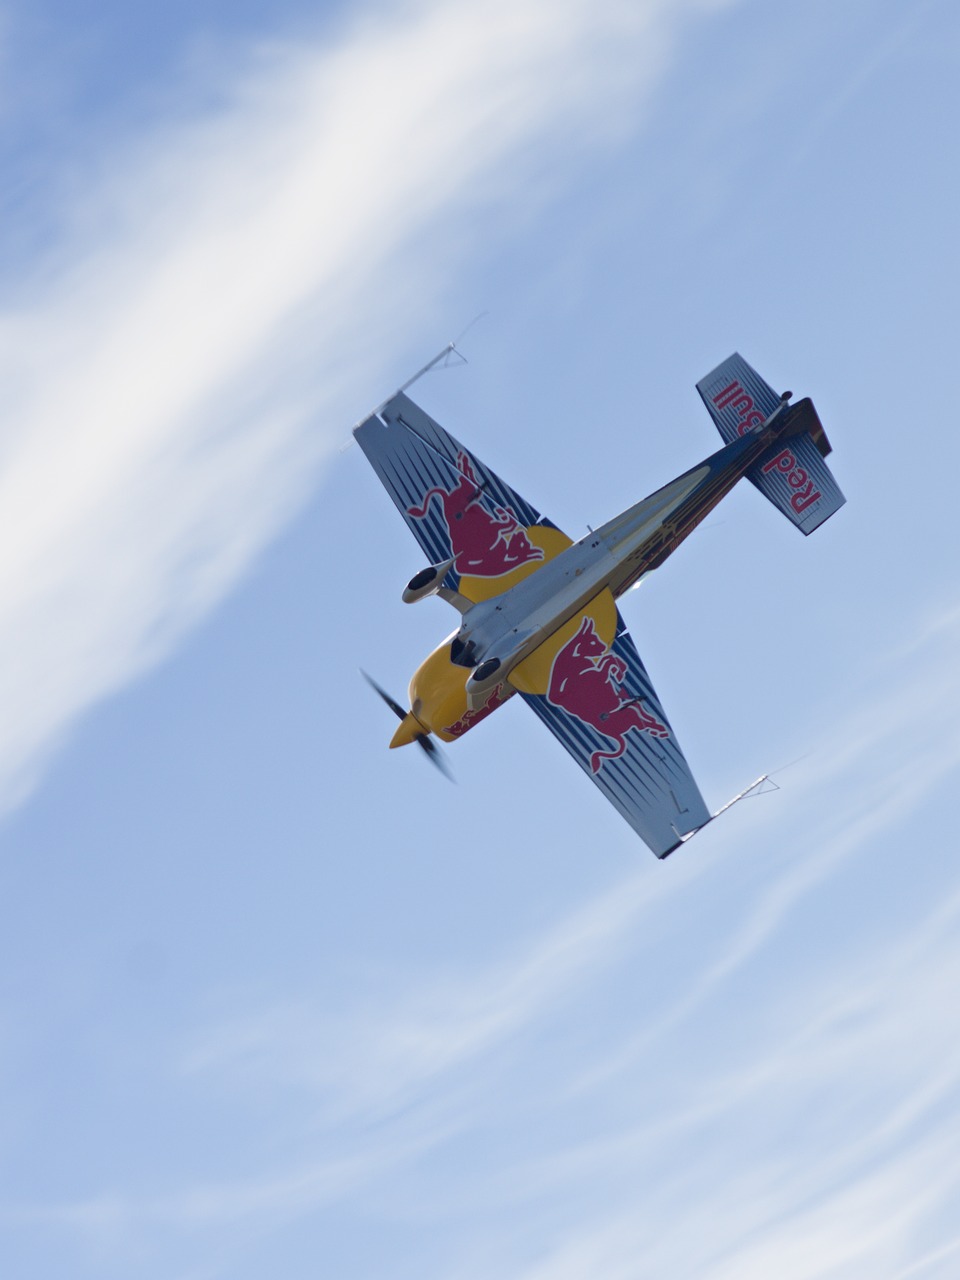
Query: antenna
{"points": [[441, 358], [763, 785], [444, 356]]}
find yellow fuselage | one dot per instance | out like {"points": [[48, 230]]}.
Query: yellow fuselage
{"points": [[438, 700]]}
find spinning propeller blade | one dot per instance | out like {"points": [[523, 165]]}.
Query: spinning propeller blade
{"points": [[422, 740], [435, 754], [395, 707]]}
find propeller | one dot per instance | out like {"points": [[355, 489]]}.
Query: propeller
{"points": [[421, 739]]}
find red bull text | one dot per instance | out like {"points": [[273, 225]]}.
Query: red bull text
{"points": [[804, 494], [741, 402]]}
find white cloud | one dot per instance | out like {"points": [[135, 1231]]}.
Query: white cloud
{"points": [[416, 1039], [810, 1129], [178, 367], [775, 1112]]}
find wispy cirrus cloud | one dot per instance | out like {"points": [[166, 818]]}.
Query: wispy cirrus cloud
{"points": [[784, 1111], [817, 1132], [188, 352], [809, 1129]]}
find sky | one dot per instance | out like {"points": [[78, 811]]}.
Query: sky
{"points": [[275, 1001]]}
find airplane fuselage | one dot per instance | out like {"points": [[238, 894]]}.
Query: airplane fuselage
{"points": [[497, 634], [510, 626]]}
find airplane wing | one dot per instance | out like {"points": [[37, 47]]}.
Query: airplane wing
{"points": [[589, 687], [455, 507]]}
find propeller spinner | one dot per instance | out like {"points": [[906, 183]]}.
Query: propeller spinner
{"points": [[421, 739]]}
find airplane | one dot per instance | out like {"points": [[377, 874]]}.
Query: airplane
{"points": [[538, 610]]}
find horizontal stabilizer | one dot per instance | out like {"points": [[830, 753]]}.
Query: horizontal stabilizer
{"points": [[792, 474], [795, 478], [737, 398]]}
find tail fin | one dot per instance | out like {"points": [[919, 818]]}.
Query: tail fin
{"points": [[792, 474]]}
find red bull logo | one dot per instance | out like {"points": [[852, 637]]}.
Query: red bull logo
{"points": [[470, 717], [804, 494], [585, 681], [741, 402], [485, 544]]}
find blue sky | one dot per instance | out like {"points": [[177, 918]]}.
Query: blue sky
{"points": [[277, 1001]]}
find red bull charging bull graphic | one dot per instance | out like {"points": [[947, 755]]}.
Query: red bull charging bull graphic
{"points": [[485, 544], [585, 682], [470, 717]]}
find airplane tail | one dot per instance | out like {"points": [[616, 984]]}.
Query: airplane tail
{"points": [[792, 474]]}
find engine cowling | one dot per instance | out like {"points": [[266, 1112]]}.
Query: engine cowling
{"points": [[427, 582]]}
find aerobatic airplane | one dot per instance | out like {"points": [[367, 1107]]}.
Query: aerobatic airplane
{"points": [[538, 611]]}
